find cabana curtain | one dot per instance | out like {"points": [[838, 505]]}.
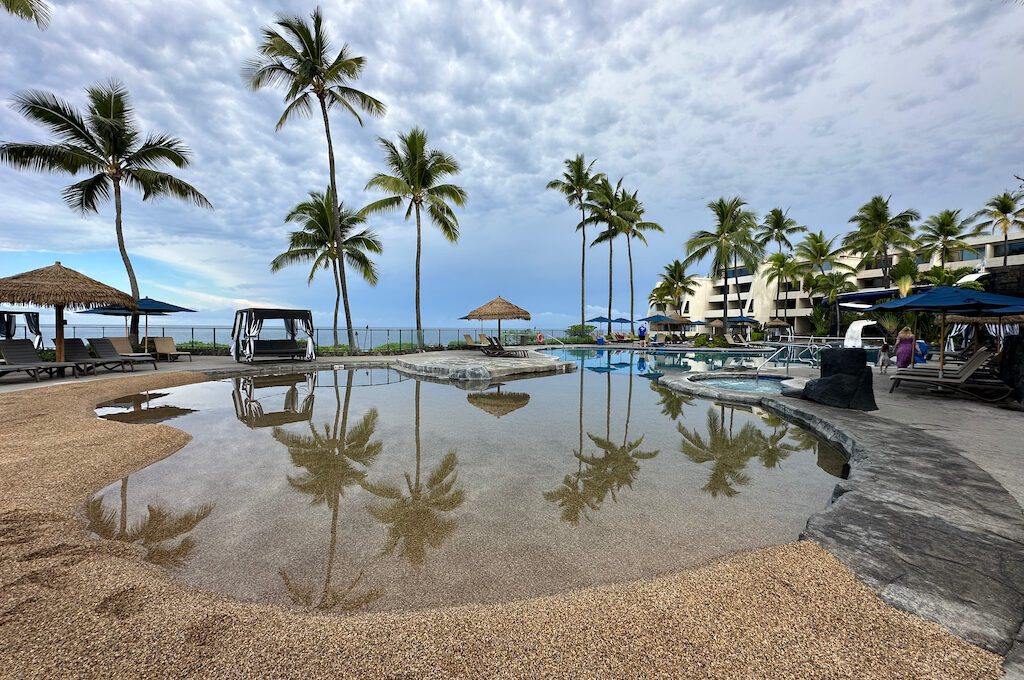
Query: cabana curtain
{"points": [[307, 326], [245, 333], [32, 323], [7, 326]]}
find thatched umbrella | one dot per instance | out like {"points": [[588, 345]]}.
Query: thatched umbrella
{"points": [[61, 288], [717, 323], [777, 323], [497, 309], [498, 403]]}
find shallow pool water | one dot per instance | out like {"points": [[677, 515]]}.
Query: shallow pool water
{"points": [[755, 385], [655, 362], [358, 490]]}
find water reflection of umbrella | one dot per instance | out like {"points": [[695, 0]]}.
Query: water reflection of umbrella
{"points": [[147, 307], [153, 414], [498, 403]]}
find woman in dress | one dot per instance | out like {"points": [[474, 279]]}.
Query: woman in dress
{"points": [[905, 348]]}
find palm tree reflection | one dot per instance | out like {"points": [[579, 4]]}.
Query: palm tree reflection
{"points": [[415, 514], [332, 461]]}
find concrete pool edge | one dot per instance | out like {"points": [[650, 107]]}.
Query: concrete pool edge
{"points": [[926, 528]]}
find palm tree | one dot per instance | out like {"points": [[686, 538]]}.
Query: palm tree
{"points": [[1003, 212], [414, 516], [418, 175], [107, 142], [607, 206], [940, 276], [817, 251], [777, 273], [634, 229], [576, 182], [296, 55], [879, 232], [675, 284], [32, 10], [944, 234], [729, 243], [317, 240], [830, 286], [778, 226]]}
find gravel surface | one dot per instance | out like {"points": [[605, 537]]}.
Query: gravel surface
{"points": [[71, 606]]}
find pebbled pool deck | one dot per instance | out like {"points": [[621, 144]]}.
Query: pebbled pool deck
{"points": [[931, 531]]}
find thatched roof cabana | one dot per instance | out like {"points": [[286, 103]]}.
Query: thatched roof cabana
{"points": [[777, 323], [498, 403], [61, 288], [498, 309]]}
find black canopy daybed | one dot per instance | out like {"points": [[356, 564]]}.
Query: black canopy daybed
{"points": [[247, 346]]}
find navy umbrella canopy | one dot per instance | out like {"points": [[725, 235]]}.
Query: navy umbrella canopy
{"points": [[658, 318], [599, 319], [147, 306]]}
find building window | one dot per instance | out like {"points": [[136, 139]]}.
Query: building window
{"points": [[1011, 248], [964, 255], [686, 308], [923, 258], [736, 272]]}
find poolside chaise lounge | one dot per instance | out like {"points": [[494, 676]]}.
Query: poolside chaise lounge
{"points": [[105, 349], [76, 351], [21, 356], [658, 340], [963, 380], [473, 344], [164, 346], [496, 349], [975, 363], [732, 340], [123, 345]]}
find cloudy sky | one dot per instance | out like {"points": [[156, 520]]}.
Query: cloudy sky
{"points": [[811, 106]]}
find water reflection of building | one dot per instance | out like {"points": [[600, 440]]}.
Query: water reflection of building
{"points": [[249, 406]]}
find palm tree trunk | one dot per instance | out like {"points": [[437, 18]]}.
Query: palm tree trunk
{"points": [[337, 299], [331, 549], [629, 406], [353, 345], [419, 250], [1006, 245], [582, 371], [335, 225], [583, 271], [609, 287], [132, 281], [725, 296], [416, 485], [629, 253]]}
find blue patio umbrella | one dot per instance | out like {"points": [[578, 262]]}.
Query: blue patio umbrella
{"points": [[599, 319], [741, 319], [945, 299], [658, 318], [1007, 311], [147, 307]]}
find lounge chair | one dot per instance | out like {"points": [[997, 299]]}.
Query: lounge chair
{"points": [[974, 363], [658, 340], [496, 349], [76, 351], [473, 344], [123, 345], [165, 347], [733, 341], [963, 380], [21, 356], [105, 349]]}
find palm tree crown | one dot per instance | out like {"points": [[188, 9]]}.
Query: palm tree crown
{"points": [[878, 232], [777, 227], [1003, 213], [944, 233], [32, 10], [820, 252], [419, 178], [675, 284]]}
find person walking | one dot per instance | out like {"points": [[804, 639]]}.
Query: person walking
{"points": [[905, 345], [883, 357]]}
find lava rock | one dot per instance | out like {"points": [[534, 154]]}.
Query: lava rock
{"points": [[846, 381]]}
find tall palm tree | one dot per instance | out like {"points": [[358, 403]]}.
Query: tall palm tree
{"points": [[675, 284], [777, 227], [634, 229], [1003, 212], [777, 272], [105, 141], [830, 286], [878, 232], [414, 516], [816, 251], [940, 276], [577, 180], [32, 10], [944, 234], [419, 176], [730, 242], [608, 207], [316, 241], [295, 55]]}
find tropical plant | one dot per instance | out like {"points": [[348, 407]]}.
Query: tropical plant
{"points": [[1004, 213], [731, 241], [607, 205], [890, 322], [661, 296], [943, 234], [415, 514], [31, 10], [105, 141], [419, 176], [777, 227], [816, 251], [295, 55], [820, 320], [577, 181], [634, 229], [878, 232], [940, 276], [317, 241], [332, 461], [830, 286], [675, 284], [780, 269]]}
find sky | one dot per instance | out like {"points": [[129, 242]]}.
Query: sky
{"points": [[809, 106]]}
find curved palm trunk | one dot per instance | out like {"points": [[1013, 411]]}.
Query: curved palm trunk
{"points": [[583, 272], [337, 228], [132, 281], [419, 322], [609, 287], [629, 254]]}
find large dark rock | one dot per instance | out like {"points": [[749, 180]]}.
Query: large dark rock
{"points": [[1011, 368], [845, 382]]}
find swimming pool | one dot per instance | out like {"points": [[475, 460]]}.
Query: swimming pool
{"points": [[358, 490], [657, 362], [762, 385]]}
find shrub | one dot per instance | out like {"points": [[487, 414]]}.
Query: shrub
{"points": [[756, 336], [577, 331], [700, 341]]}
